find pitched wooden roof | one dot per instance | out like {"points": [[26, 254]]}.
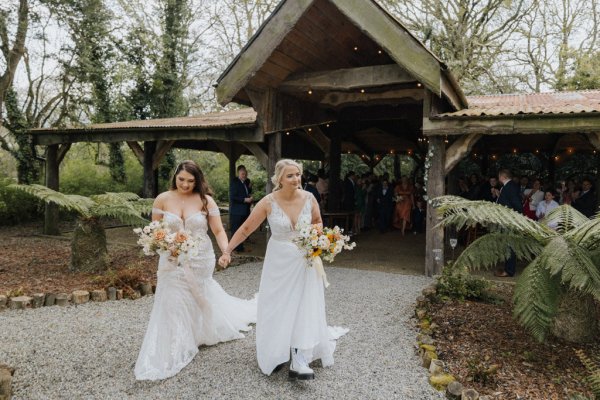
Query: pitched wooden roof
{"points": [[320, 35]]}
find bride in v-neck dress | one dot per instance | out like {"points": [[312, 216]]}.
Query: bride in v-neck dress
{"points": [[190, 308], [291, 301]]}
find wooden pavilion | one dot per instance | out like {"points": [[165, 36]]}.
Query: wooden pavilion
{"points": [[328, 77]]}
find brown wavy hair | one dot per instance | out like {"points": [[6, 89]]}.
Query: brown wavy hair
{"points": [[200, 185]]}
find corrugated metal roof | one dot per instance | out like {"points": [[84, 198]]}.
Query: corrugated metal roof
{"points": [[583, 101], [245, 117]]}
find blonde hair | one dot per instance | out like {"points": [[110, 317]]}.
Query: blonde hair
{"points": [[279, 167]]}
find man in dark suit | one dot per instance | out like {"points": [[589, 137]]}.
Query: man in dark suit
{"points": [[348, 202], [240, 200], [385, 206], [311, 186], [586, 202], [509, 196]]}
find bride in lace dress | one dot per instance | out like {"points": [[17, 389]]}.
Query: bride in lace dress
{"points": [[291, 301], [190, 308]]}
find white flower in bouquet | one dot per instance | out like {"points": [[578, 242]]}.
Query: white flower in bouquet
{"points": [[157, 238]]}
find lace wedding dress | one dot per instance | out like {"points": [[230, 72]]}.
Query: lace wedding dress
{"points": [[291, 301], [190, 308]]}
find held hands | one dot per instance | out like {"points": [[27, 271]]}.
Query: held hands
{"points": [[248, 199], [225, 260]]}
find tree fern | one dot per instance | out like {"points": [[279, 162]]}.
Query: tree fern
{"points": [[536, 299], [490, 249]]}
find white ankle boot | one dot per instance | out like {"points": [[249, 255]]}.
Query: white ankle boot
{"points": [[299, 368]]}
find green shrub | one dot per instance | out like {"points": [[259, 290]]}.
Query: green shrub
{"points": [[17, 207]]}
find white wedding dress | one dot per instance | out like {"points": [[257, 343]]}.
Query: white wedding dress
{"points": [[190, 308], [291, 301]]}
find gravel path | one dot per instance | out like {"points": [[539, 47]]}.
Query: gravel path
{"points": [[88, 351]]}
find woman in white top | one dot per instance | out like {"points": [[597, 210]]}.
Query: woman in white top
{"points": [[546, 206], [532, 197]]}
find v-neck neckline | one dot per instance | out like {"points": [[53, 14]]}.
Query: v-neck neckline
{"points": [[293, 225]]}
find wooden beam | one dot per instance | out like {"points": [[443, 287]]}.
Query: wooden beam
{"points": [[459, 149], [258, 50], [320, 139], [340, 99], [394, 39], [162, 148], [594, 139], [137, 151], [347, 79], [233, 134], [62, 152], [259, 153], [51, 216], [514, 124]]}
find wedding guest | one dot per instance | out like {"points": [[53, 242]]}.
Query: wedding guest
{"points": [[348, 197], [360, 202], [323, 186], [418, 217], [509, 196], [385, 206], [545, 206], [240, 200], [531, 198], [488, 189], [405, 202], [586, 202], [473, 192], [311, 186], [291, 305], [523, 185]]}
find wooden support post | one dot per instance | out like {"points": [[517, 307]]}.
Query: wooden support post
{"points": [[52, 180], [150, 189], [435, 187], [335, 169], [232, 157], [274, 140]]}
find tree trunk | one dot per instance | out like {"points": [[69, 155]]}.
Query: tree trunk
{"points": [[576, 320], [88, 247]]}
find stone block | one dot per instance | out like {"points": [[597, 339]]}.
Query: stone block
{"points": [[80, 296], [20, 302], [146, 288], [50, 299], [5, 383], [436, 367], [38, 300], [470, 394], [112, 293], [99, 295], [454, 390], [119, 294], [62, 299]]}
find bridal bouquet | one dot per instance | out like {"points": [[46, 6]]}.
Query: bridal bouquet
{"points": [[157, 238], [322, 243]]}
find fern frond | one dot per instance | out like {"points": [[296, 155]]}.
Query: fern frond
{"points": [[587, 235], [564, 218], [536, 299], [114, 198], [594, 372], [574, 266], [143, 206], [460, 213], [492, 248], [125, 212], [71, 202]]}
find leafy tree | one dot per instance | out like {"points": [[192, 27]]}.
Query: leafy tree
{"points": [[88, 246], [557, 288]]}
